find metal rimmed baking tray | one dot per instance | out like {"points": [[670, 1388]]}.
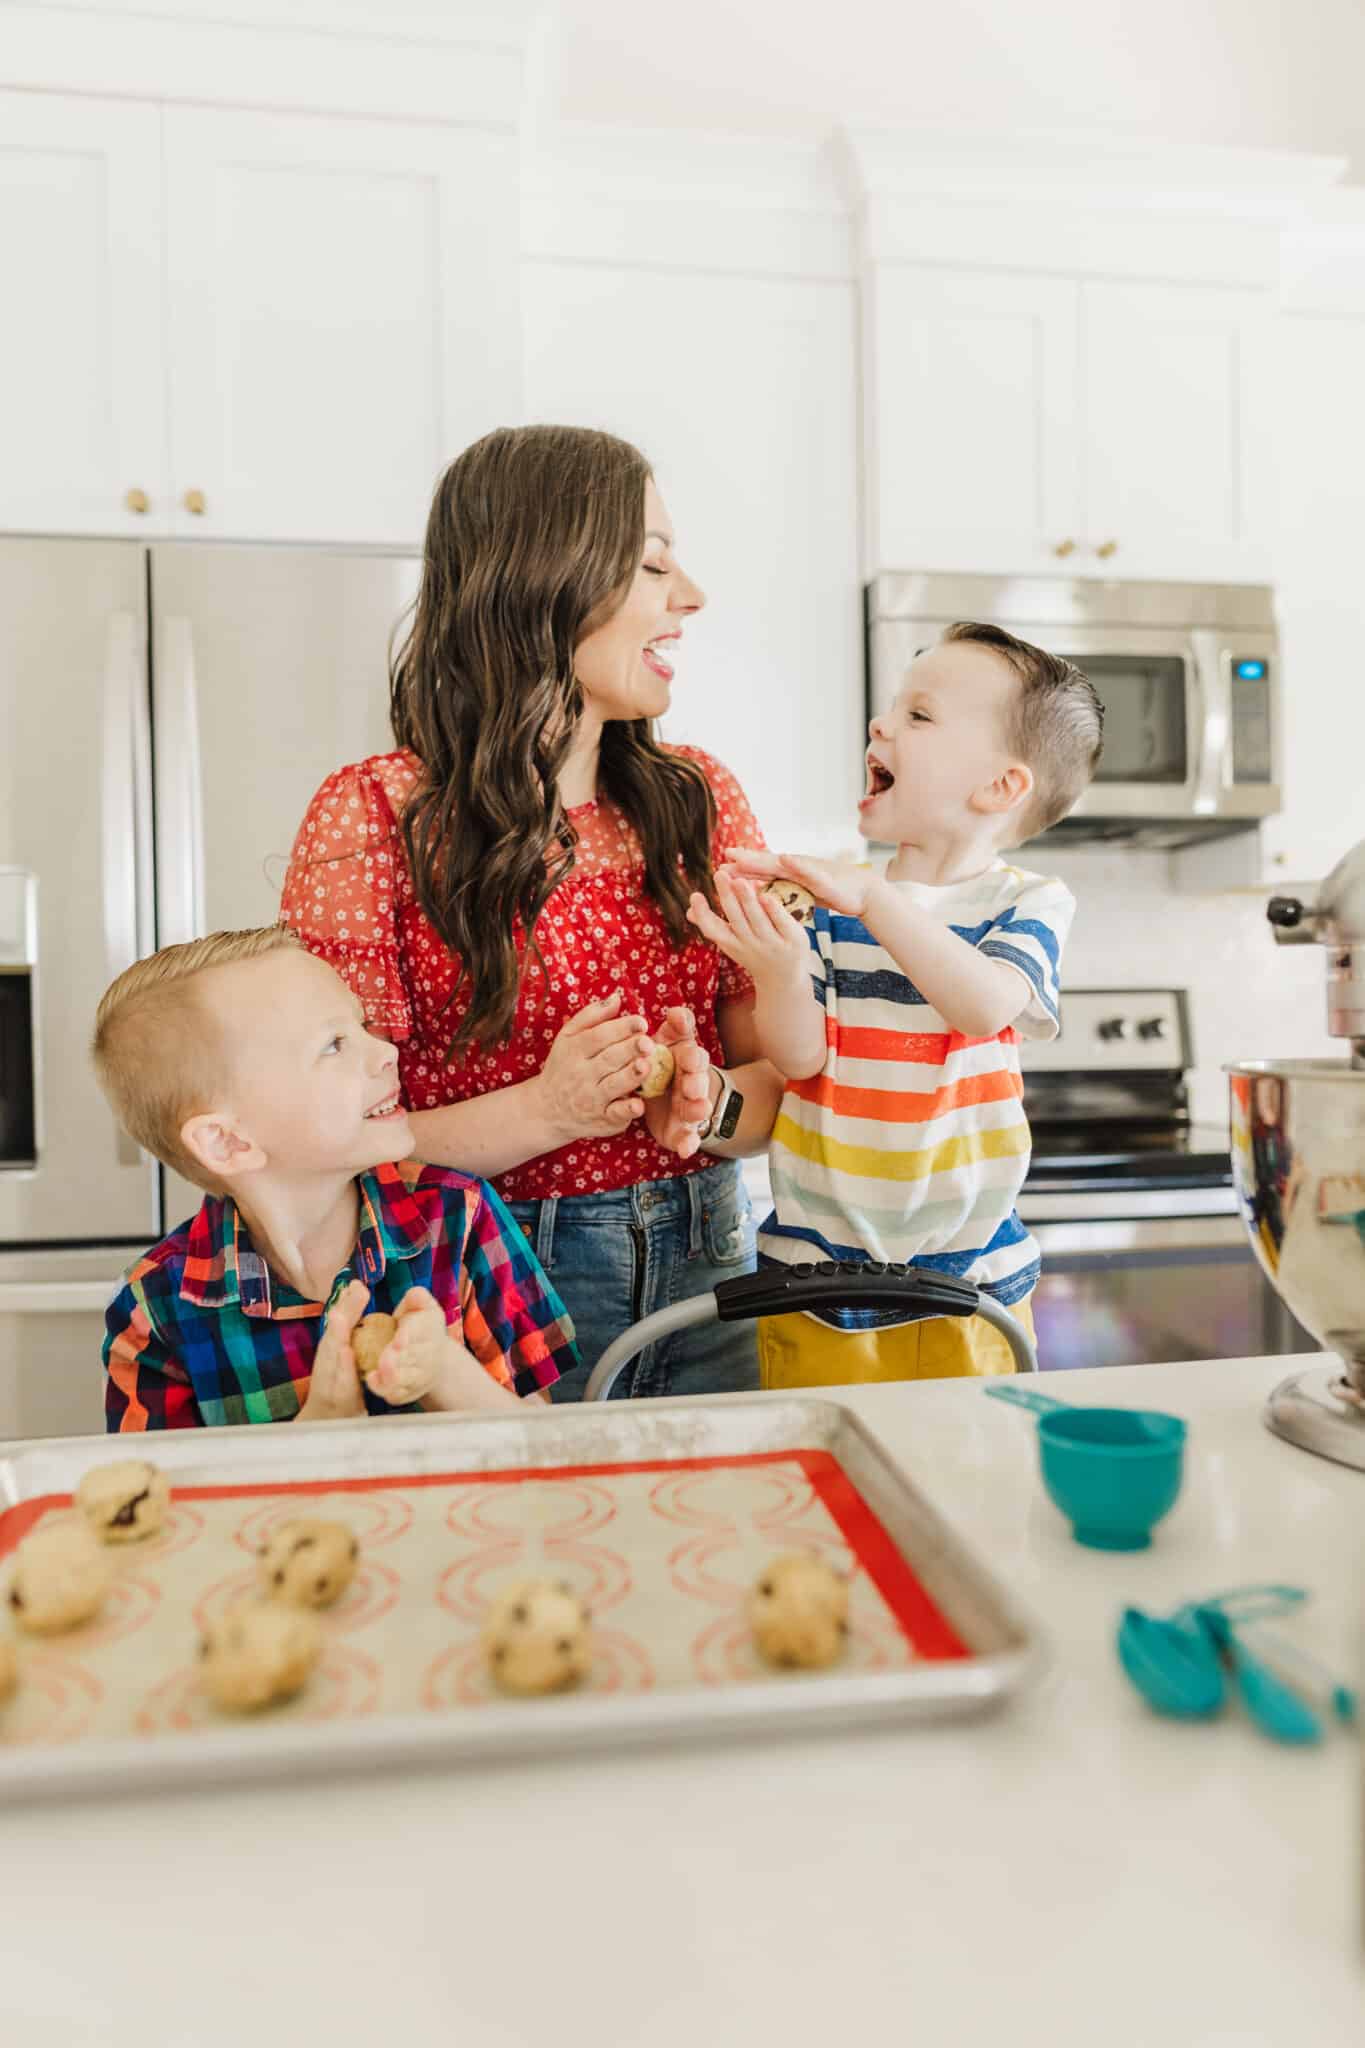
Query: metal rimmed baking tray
{"points": [[576, 1490]]}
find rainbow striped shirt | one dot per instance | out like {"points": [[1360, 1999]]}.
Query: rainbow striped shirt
{"points": [[911, 1142]]}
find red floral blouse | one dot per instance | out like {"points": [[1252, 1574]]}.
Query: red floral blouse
{"points": [[349, 896]]}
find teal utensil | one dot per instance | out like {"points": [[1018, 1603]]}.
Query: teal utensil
{"points": [[1174, 1666], [1274, 1706], [1113, 1472], [1246, 1603], [1303, 1673]]}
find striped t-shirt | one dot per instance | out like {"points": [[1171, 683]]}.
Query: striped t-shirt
{"points": [[911, 1143]]}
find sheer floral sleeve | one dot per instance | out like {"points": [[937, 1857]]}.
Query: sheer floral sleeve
{"points": [[344, 873], [736, 825]]}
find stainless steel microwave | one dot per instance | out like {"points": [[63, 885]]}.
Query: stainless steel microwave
{"points": [[1188, 674]]}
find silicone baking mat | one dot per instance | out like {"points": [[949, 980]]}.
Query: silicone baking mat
{"points": [[663, 1551]]}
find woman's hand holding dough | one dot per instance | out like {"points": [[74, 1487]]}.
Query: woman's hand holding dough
{"points": [[589, 1085]]}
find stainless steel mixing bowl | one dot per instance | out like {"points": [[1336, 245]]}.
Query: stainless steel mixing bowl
{"points": [[1298, 1161]]}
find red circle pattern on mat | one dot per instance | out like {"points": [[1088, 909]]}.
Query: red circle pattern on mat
{"points": [[183, 1525], [373, 1517], [459, 1676], [680, 1497], [56, 1701], [499, 1510], [345, 1685]]}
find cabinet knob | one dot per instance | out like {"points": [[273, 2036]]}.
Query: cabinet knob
{"points": [[195, 501], [1107, 548], [137, 501], [1064, 548]]}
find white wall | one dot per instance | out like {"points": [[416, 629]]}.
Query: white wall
{"points": [[741, 392]]}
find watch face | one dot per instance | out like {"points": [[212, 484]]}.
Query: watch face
{"points": [[729, 1116]]}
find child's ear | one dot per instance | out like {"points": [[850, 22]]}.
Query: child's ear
{"points": [[1008, 792], [220, 1145]]}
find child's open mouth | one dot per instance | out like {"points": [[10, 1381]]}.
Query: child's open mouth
{"points": [[879, 780], [391, 1106]]}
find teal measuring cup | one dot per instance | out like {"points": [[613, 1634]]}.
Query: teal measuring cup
{"points": [[1113, 1472]]}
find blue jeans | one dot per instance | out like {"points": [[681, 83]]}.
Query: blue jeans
{"points": [[614, 1258]]}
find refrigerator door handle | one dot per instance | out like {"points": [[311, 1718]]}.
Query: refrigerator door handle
{"points": [[126, 814], [179, 808]]}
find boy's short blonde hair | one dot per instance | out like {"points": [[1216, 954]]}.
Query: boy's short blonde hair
{"points": [[158, 1054]]}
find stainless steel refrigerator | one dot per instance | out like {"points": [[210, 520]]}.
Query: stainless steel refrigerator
{"points": [[165, 715]]}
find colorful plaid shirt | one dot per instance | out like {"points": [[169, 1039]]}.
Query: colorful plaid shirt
{"points": [[203, 1332]]}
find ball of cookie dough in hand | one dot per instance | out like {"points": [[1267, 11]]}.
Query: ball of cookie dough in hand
{"points": [[538, 1637], [258, 1652], [60, 1578], [796, 901], [370, 1339], [660, 1075], [307, 1562], [125, 1501], [798, 1611]]}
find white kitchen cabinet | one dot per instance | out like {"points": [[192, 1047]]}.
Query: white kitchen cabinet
{"points": [[343, 317], [1174, 426], [1022, 423], [82, 374], [740, 391], [1321, 592], [973, 457]]}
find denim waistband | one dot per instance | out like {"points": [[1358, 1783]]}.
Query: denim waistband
{"points": [[683, 1196]]}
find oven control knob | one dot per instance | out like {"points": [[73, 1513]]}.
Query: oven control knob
{"points": [[1110, 1028], [1152, 1027]]}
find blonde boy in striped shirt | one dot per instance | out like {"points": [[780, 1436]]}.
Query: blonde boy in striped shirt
{"points": [[897, 1013]]}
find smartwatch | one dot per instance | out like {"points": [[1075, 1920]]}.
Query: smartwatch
{"points": [[724, 1117]]}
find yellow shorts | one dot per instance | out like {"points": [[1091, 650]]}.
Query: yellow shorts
{"points": [[796, 1351]]}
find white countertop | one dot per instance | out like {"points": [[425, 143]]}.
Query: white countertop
{"points": [[1073, 1872]]}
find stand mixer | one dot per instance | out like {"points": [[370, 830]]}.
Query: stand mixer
{"points": [[1298, 1161]]}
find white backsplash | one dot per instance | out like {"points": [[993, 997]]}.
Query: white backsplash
{"points": [[1249, 998]]}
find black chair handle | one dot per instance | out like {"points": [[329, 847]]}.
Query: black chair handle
{"points": [[910, 1291]]}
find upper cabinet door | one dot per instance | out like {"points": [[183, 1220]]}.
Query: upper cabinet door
{"points": [[1175, 401], [344, 318], [971, 421], [82, 398]]}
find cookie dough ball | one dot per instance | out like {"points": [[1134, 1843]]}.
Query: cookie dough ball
{"points": [[61, 1576], [258, 1652], [9, 1668], [799, 1612], [796, 901], [538, 1637], [308, 1563], [660, 1073], [372, 1338], [124, 1502]]}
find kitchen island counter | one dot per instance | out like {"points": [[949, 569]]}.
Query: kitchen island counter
{"points": [[1070, 1871]]}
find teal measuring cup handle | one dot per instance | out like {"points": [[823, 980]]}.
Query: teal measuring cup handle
{"points": [[1023, 1397]]}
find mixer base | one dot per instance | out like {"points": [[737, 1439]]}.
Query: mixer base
{"points": [[1306, 1410]]}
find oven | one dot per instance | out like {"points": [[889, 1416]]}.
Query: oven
{"points": [[1188, 675]]}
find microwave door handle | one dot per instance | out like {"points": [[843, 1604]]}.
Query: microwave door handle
{"points": [[1209, 701], [180, 824], [125, 816]]}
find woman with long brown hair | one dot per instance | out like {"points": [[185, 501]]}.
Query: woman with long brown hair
{"points": [[507, 895]]}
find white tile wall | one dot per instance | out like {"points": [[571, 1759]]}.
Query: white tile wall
{"points": [[1249, 998]]}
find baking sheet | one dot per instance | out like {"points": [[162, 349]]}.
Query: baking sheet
{"points": [[660, 1514]]}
